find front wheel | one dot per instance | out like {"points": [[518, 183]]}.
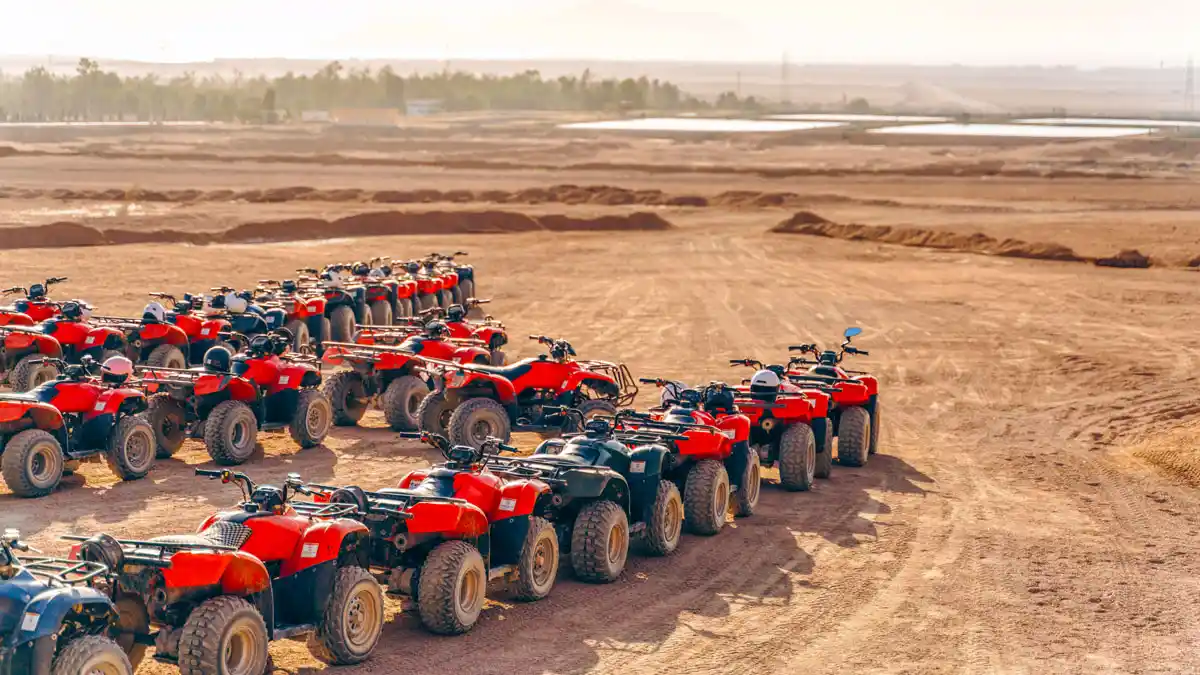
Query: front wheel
{"points": [[478, 419], [663, 532], [745, 500], [538, 566], [131, 448], [451, 588], [433, 415], [230, 433], [706, 497], [312, 418], [600, 542], [91, 654], [32, 463], [353, 619], [341, 321], [223, 635], [854, 437], [402, 400], [797, 458], [30, 373], [348, 396], [167, 418]]}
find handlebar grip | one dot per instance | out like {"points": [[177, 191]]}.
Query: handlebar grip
{"points": [[409, 434], [863, 352], [210, 473], [506, 447], [647, 380]]}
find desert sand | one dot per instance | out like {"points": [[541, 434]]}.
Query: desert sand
{"points": [[1032, 508]]}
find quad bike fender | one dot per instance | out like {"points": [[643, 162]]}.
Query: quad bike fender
{"points": [[872, 384], [24, 414], [333, 355], [117, 402], [792, 409], [10, 317], [704, 444], [233, 572], [42, 344], [239, 389], [645, 471], [820, 403], [295, 376], [212, 328], [161, 333], [324, 542], [393, 361], [734, 427], [502, 389], [406, 289], [735, 463], [519, 498], [851, 394], [597, 483], [495, 337], [472, 355], [308, 307], [105, 338], [411, 479], [507, 539], [597, 382], [452, 520], [53, 605]]}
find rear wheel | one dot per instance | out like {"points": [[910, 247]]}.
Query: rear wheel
{"points": [[30, 373], [131, 448], [538, 565], [353, 619], [312, 419], [854, 437], [91, 655], [167, 356], [451, 588], [797, 458], [381, 313], [325, 334], [749, 483], [823, 429], [223, 635], [706, 497], [433, 415], [32, 463], [404, 307], [498, 357], [478, 419], [301, 340], [589, 409], [230, 433], [600, 542], [444, 299], [348, 397], [341, 320], [402, 401], [468, 288], [874, 426], [666, 520]]}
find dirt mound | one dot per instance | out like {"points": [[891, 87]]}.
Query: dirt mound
{"points": [[1129, 258], [1174, 452], [373, 224], [806, 222]]}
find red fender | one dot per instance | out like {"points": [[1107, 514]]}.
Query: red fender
{"points": [[42, 344], [110, 401], [486, 333], [44, 415], [236, 572], [519, 498], [393, 361], [163, 332], [406, 289], [292, 375], [333, 354], [10, 317], [464, 521], [303, 308], [413, 478], [851, 394], [321, 542], [505, 392], [212, 328], [734, 427], [244, 575], [872, 384], [239, 389], [597, 381], [472, 355]]}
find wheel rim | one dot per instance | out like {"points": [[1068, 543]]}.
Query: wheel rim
{"points": [[102, 664], [356, 397], [469, 589], [544, 558], [721, 502], [810, 460], [139, 449], [481, 429], [673, 520], [243, 648], [414, 402], [362, 619], [44, 464], [241, 435], [754, 484], [42, 376], [317, 420], [617, 544]]}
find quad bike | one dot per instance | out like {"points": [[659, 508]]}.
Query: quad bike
{"points": [[607, 486], [23, 354], [450, 529], [714, 464], [271, 569], [477, 402], [390, 375], [81, 335], [35, 304], [854, 407], [58, 617], [203, 332], [304, 313], [345, 302], [233, 397], [465, 273], [789, 424], [488, 329], [51, 428]]}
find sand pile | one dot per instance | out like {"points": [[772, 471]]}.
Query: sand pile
{"points": [[1129, 258], [359, 225]]}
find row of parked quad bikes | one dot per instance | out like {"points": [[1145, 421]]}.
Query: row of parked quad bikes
{"points": [[312, 561]]}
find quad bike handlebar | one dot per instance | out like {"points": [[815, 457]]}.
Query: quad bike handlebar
{"points": [[243, 481], [749, 363], [460, 453]]}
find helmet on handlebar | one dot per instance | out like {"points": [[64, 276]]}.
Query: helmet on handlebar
{"points": [[116, 370], [288, 286], [282, 338], [560, 350], [765, 385], [267, 497], [217, 359], [235, 303], [331, 279], [437, 330], [360, 269], [671, 392], [37, 291], [72, 311], [719, 400], [455, 313], [154, 313], [828, 358]]}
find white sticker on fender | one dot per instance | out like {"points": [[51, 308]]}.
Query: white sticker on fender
{"points": [[284, 379], [637, 467], [308, 551], [98, 407], [508, 504], [91, 340], [728, 433], [30, 621], [205, 331]]}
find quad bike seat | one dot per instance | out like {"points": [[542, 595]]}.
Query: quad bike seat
{"points": [[247, 323], [825, 371], [13, 396], [512, 371], [679, 416]]}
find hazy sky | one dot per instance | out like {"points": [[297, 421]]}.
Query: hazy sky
{"points": [[1085, 32]]}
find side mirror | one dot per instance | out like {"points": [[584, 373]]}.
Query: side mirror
{"points": [[851, 332]]}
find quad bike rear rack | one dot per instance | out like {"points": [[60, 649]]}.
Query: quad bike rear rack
{"points": [[62, 570], [619, 372]]}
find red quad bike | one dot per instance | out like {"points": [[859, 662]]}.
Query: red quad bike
{"points": [[488, 329], [789, 425], [855, 406], [81, 335], [390, 375], [50, 429], [35, 305], [23, 354], [305, 313], [233, 397], [716, 453], [345, 300], [477, 402], [203, 332], [450, 529], [271, 569]]}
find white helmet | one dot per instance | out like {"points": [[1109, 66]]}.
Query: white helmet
{"points": [[377, 274], [670, 392], [765, 382], [331, 279], [235, 304], [154, 312], [85, 310]]}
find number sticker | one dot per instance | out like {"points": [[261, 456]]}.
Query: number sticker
{"points": [[285, 379], [508, 504], [637, 467], [91, 340], [30, 621], [99, 406], [308, 551], [205, 331]]}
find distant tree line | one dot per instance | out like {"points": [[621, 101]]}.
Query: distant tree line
{"points": [[92, 94]]}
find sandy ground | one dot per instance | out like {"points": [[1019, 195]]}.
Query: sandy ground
{"points": [[1029, 511]]}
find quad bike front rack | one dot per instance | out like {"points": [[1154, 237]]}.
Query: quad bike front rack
{"points": [[619, 372]]}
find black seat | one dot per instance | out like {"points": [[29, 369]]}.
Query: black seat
{"points": [[247, 323], [825, 371], [510, 372]]}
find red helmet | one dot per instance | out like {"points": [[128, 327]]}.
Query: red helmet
{"points": [[116, 370]]}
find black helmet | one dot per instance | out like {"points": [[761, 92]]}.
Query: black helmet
{"points": [[283, 340], [288, 286], [437, 329], [413, 267], [72, 311], [360, 269], [719, 400], [561, 349], [268, 497], [828, 358], [456, 313], [217, 359]]}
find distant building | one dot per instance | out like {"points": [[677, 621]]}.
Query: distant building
{"points": [[366, 117], [423, 107], [314, 115]]}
